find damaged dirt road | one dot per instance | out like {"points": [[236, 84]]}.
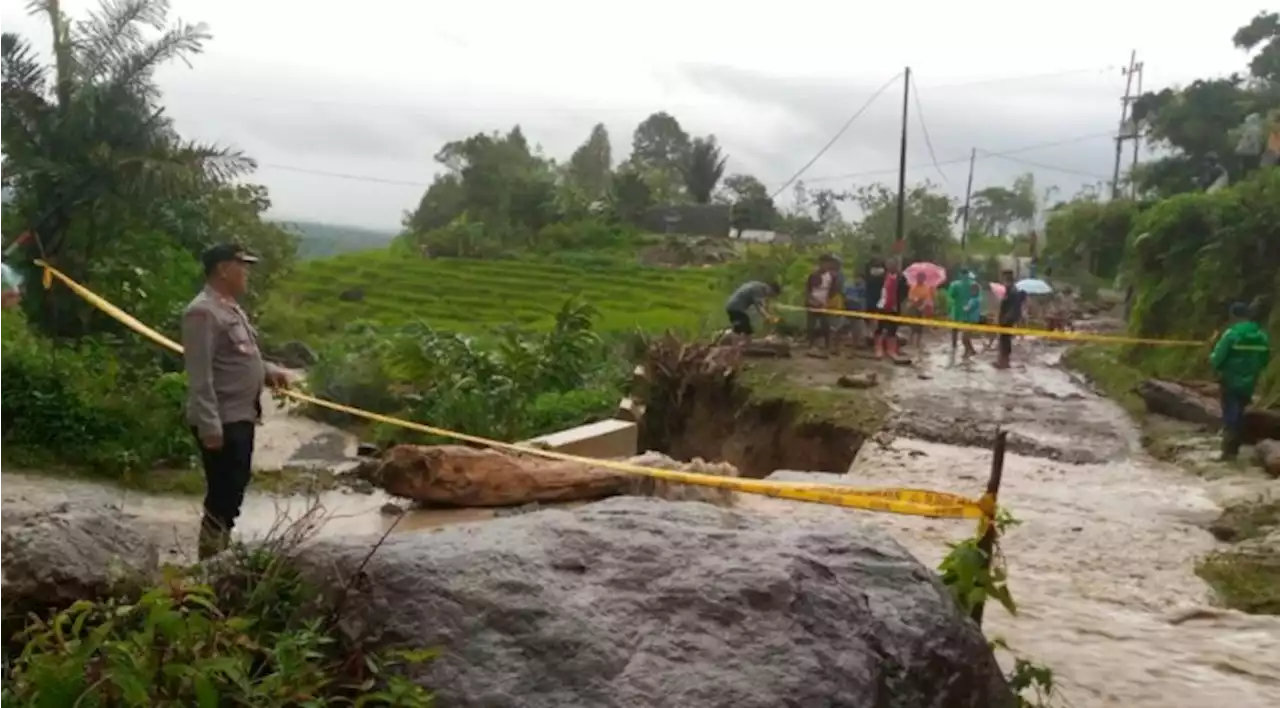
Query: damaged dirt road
{"points": [[1102, 564]]}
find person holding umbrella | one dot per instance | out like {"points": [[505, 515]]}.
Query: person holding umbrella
{"points": [[920, 301]]}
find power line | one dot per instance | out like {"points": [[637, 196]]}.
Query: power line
{"points": [[344, 175], [1028, 77], [1043, 166], [838, 134], [935, 164], [958, 160], [928, 142]]}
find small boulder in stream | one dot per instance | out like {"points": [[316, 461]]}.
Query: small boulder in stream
{"points": [[1268, 452], [643, 602]]}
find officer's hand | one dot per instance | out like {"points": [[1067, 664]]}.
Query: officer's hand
{"points": [[211, 441], [278, 379]]}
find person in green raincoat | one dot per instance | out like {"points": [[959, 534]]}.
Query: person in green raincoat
{"points": [[1238, 358], [959, 295]]}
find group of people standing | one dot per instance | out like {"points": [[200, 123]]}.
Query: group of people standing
{"points": [[882, 287]]}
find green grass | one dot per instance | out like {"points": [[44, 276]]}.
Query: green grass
{"points": [[473, 296], [1246, 577], [777, 380], [1245, 581]]}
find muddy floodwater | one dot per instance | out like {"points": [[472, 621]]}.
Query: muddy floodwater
{"points": [[1102, 564]]}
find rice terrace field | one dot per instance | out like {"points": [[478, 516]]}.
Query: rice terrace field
{"points": [[474, 296]]}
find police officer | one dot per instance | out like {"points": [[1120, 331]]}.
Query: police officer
{"points": [[225, 378]]}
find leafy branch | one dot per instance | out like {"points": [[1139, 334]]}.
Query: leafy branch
{"points": [[974, 577]]}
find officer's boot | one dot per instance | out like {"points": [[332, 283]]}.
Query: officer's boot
{"points": [[1230, 446], [213, 539]]}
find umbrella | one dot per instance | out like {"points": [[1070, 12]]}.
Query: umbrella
{"points": [[998, 289], [1034, 286], [934, 274]]}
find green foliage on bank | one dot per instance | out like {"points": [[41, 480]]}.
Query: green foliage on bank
{"points": [[1190, 257], [511, 384], [110, 409]]}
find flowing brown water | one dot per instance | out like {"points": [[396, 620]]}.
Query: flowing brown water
{"points": [[1102, 565]]}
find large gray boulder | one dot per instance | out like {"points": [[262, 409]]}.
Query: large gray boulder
{"points": [[644, 602], [51, 558]]}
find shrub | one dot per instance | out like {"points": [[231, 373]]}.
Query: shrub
{"points": [[248, 631], [94, 404], [511, 385]]}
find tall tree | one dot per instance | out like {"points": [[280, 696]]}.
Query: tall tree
{"points": [[591, 164], [753, 208], [630, 194], [88, 151], [998, 210], [1197, 127], [928, 219], [703, 168], [502, 183], [659, 148], [1262, 34], [659, 142]]}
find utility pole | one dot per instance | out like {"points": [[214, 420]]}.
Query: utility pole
{"points": [[1123, 133], [968, 192], [1137, 135], [900, 226]]}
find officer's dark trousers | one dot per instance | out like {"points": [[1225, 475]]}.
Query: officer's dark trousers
{"points": [[1233, 409], [226, 475]]}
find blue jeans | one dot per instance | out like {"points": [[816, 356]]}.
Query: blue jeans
{"points": [[1233, 405]]}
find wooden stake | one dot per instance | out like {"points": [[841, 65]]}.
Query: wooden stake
{"points": [[988, 541]]}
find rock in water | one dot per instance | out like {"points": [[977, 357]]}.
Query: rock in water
{"points": [[641, 602], [1269, 455], [53, 558]]}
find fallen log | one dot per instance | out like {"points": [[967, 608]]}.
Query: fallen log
{"points": [[1180, 402], [454, 475], [1261, 424], [1197, 402]]}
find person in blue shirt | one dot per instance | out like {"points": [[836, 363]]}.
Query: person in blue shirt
{"points": [[854, 295]]}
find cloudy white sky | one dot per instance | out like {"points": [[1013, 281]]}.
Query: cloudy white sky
{"points": [[372, 89]]}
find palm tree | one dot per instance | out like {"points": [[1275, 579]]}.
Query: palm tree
{"points": [[703, 168], [88, 149]]}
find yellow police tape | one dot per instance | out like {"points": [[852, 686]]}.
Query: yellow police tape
{"points": [[914, 502], [997, 329]]}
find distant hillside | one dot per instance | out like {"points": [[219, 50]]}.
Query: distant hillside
{"points": [[317, 240]]}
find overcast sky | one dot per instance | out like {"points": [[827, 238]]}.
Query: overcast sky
{"points": [[372, 89]]}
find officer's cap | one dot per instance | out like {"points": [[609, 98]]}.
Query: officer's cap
{"points": [[223, 253]]}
